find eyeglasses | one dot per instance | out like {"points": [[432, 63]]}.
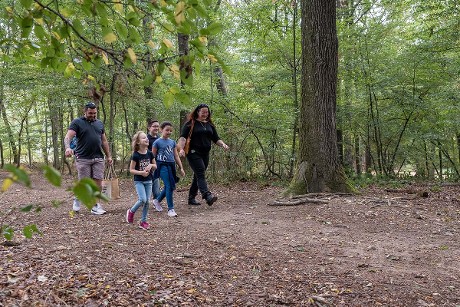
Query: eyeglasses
{"points": [[203, 105], [90, 105]]}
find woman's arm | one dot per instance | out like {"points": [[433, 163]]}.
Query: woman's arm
{"points": [[180, 146], [178, 161], [222, 144]]}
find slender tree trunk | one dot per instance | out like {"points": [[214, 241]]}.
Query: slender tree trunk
{"points": [[54, 117], [45, 142], [29, 143], [2, 158], [458, 147], [319, 169], [440, 164], [358, 163], [9, 131], [112, 111], [185, 66]]}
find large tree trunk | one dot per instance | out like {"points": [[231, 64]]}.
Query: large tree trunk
{"points": [[318, 169]]}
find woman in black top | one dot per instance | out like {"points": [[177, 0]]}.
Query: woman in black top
{"points": [[202, 136]]}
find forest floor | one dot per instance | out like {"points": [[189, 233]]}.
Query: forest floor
{"points": [[378, 248]]}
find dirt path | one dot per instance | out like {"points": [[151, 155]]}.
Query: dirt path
{"points": [[375, 249]]}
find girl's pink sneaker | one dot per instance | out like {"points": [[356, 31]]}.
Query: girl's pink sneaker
{"points": [[144, 225]]}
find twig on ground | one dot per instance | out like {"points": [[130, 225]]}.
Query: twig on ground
{"points": [[298, 202]]}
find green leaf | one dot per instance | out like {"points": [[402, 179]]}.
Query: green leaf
{"points": [[110, 37], [175, 89], [169, 27], [186, 78], [97, 60], [104, 21], [86, 65], [85, 190], [101, 9], [198, 44], [29, 230], [184, 98], [191, 13], [163, 49], [18, 175], [52, 175], [168, 99], [201, 11], [215, 28], [26, 26], [133, 19], [64, 31], [160, 67], [78, 26], [27, 208], [39, 32], [122, 30], [68, 71], [26, 3], [134, 35], [8, 232], [127, 62], [185, 28], [148, 80]]}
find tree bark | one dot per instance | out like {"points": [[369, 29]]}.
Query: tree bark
{"points": [[319, 169], [55, 128]]}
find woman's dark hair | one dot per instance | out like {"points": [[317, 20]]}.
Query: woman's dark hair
{"points": [[192, 116]]}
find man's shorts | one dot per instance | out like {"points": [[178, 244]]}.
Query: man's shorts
{"points": [[90, 168]]}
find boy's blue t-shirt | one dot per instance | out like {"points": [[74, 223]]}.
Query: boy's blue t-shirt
{"points": [[165, 150]]}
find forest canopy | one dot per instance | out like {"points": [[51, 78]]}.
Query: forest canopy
{"points": [[397, 89]]}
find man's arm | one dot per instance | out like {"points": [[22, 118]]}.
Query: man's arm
{"points": [[68, 137], [106, 149]]}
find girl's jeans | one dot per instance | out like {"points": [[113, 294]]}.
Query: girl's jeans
{"points": [[144, 190], [167, 191]]}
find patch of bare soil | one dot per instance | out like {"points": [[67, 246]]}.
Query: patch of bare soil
{"points": [[379, 248]]}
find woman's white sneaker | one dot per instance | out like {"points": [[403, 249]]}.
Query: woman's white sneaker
{"points": [[172, 213]]}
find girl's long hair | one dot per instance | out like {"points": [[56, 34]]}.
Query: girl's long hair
{"points": [[192, 116], [135, 141]]}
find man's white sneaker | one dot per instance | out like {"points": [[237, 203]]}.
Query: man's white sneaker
{"points": [[157, 205], [76, 205], [172, 213], [98, 210]]}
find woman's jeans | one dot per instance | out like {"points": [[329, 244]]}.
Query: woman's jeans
{"points": [[144, 190], [167, 191], [198, 163]]}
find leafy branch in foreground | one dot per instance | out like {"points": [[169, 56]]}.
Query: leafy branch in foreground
{"points": [[86, 190]]}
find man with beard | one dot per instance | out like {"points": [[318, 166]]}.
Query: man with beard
{"points": [[89, 156]]}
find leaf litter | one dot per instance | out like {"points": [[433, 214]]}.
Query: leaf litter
{"points": [[390, 248]]}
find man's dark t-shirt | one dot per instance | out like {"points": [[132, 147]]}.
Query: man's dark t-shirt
{"points": [[151, 140], [89, 138]]}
